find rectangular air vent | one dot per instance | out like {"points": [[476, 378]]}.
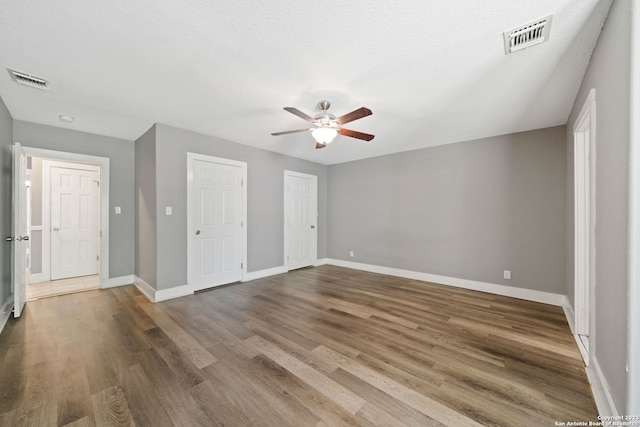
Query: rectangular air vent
{"points": [[29, 80], [527, 35]]}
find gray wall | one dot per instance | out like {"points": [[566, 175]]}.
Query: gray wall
{"points": [[6, 136], [265, 198], [609, 74], [145, 190], [121, 154], [468, 210]]}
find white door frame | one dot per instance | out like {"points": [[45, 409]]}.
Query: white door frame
{"points": [[103, 163], [584, 131], [190, 236], [47, 164], [314, 208]]}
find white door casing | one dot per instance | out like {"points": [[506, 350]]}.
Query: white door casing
{"points": [[216, 225], [584, 218], [74, 219], [104, 164], [300, 219], [20, 233]]}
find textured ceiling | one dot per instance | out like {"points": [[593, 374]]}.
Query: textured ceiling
{"points": [[433, 72]]}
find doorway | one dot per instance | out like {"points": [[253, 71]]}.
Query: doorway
{"points": [[584, 223], [64, 225], [102, 218], [216, 221], [300, 219]]}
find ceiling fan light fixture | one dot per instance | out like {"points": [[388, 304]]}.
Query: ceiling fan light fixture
{"points": [[324, 135]]}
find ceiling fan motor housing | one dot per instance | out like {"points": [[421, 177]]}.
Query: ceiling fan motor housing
{"points": [[325, 119]]}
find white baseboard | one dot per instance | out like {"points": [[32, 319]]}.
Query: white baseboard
{"points": [[154, 295], [601, 391], [145, 288], [264, 273], [118, 281], [175, 292], [254, 275], [599, 385], [5, 311], [492, 288], [570, 315]]}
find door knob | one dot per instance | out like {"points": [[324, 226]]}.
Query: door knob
{"points": [[197, 232], [313, 226], [8, 239], [25, 238], [56, 229]]}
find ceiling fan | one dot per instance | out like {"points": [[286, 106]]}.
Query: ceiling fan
{"points": [[326, 126]]}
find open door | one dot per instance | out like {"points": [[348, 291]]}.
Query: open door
{"points": [[20, 233]]}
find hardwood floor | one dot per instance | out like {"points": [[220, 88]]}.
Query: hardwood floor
{"points": [[323, 346]]}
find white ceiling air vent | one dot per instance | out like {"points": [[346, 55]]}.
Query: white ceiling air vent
{"points": [[531, 34], [29, 80]]}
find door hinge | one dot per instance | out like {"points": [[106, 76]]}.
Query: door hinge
{"points": [[241, 182], [241, 223], [241, 265], [97, 182], [97, 257]]}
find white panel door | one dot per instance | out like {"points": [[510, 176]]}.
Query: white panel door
{"points": [[216, 243], [20, 236], [300, 220], [74, 223]]}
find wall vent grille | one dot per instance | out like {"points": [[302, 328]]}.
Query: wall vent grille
{"points": [[528, 35], [29, 80]]}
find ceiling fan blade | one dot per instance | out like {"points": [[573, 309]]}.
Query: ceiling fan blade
{"points": [[299, 113], [356, 134], [354, 115], [286, 132], [320, 145]]}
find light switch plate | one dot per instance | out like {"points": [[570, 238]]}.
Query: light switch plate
{"points": [[168, 210], [118, 210]]}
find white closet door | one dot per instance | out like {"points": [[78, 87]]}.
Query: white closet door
{"points": [[216, 241], [300, 220]]}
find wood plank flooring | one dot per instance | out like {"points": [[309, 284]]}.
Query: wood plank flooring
{"points": [[322, 346]]}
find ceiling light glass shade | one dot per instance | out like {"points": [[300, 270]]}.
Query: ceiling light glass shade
{"points": [[324, 135]]}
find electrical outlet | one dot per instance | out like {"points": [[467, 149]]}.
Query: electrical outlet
{"points": [[351, 254], [507, 274]]}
